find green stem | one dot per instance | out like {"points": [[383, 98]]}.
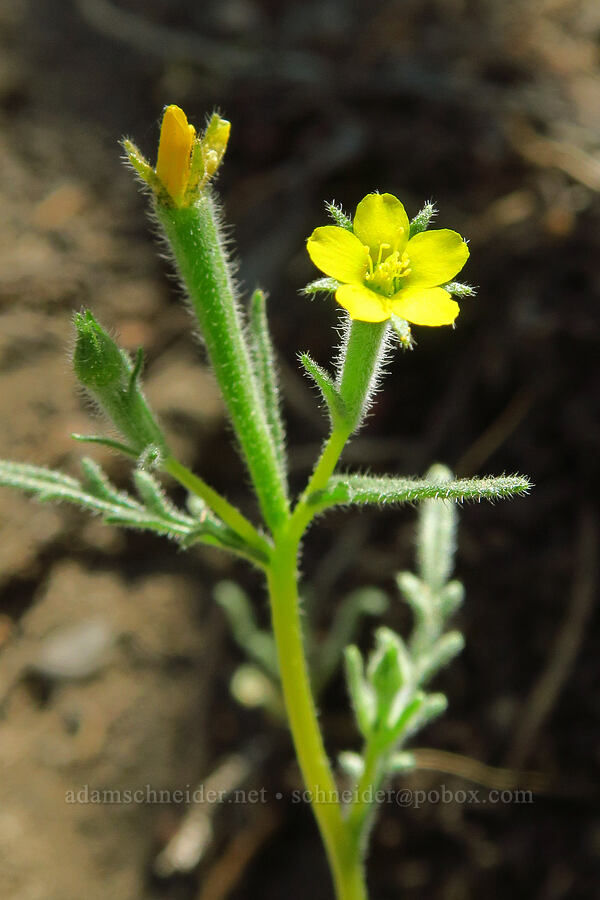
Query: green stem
{"points": [[363, 352], [305, 512], [346, 865], [362, 357], [194, 235], [224, 510], [364, 802]]}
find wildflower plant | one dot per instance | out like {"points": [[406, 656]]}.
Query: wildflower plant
{"points": [[387, 273]]}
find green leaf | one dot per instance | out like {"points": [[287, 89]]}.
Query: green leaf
{"points": [[428, 622], [18, 474], [436, 534], [422, 709], [96, 483], [432, 706], [440, 655], [390, 672], [365, 601], [218, 534], [450, 598], [405, 722], [400, 763], [361, 693], [352, 764], [106, 442], [261, 350], [380, 490], [97, 495], [258, 644], [154, 497], [252, 688], [326, 385]]}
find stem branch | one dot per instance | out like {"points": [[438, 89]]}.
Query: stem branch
{"points": [[222, 507]]}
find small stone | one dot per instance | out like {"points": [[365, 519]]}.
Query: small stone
{"points": [[74, 652]]}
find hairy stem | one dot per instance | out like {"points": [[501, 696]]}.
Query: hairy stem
{"points": [[362, 807], [224, 510], [194, 235], [346, 865]]}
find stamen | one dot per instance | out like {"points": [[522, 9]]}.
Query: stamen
{"points": [[385, 275], [382, 247]]}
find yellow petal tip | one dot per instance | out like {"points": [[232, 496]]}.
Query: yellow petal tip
{"points": [[174, 152]]}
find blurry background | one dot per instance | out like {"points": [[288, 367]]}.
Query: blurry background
{"points": [[492, 109]]}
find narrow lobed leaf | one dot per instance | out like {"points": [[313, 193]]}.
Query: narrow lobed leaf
{"points": [[365, 601], [106, 442], [436, 533], [400, 763], [381, 490], [154, 497], [258, 644], [98, 495], [352, 764], [261, 350], [325, 383], [361, 693], [12, 474], [96, 482], [440, 655]]}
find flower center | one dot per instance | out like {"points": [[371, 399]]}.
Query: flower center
{"points": [[385, 276]]}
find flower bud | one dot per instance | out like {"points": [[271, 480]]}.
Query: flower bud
{"points": [[109, 376]]}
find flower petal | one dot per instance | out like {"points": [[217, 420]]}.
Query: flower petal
{"points": [[381, 219], [425, 306], [362, 304], [435, 257], [338, 253], [174, 148]]}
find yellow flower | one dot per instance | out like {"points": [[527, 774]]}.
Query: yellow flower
{"points": [[383, 271], [186, 161], [174, 162]]}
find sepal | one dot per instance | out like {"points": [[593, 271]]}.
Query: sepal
{"points": [[460, 290], [338, 215], [423, 219], [326, 285], [401, 331]]}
